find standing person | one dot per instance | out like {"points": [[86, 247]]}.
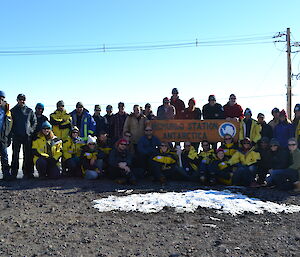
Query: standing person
{"points": [[83, 121], [108, 116], [287, 179], [266, 129], [193, 113], [61, 121], [178, 104], [117, 123], [39, 109], [5, 128], [249, 127], [212, 110], [148, 112], [166, 111], [135, 123], [47, 152], [284, 129], [24, 123], [101, 122], [232, 110], [296, 122], [275, 112]]}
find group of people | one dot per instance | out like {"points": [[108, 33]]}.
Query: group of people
{"points": [[122, 146]]}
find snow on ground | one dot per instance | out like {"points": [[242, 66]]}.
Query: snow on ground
{"points": [[223, 201]]}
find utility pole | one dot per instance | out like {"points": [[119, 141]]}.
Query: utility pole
{"points": [[289, 73]]}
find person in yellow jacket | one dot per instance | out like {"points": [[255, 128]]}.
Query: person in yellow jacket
{"points": [[72, 147], [164, 164], [46, 149], [249, 127], [229, 146], [246, 160], [61, 121]]}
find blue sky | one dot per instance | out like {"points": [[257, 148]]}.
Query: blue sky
{"points": [[255, 73]]}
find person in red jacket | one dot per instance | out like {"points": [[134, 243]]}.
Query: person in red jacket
{"points": [[178, 104], [232, 110]]}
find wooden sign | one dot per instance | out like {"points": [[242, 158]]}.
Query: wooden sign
{"points": [[194, 130]]}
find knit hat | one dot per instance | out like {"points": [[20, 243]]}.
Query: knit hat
{"points": [[260, 115], [265, 140], [248, 112], [2, 94], [75, 129], [147, 105], [219, 150], [79, 105], [108, 107], [46, 125], [246, 140], [60, 103], [39, 106], [297, 108], [274, 141], [122, 141], [193, 100], [91, 140], [283, 113], [175, 91], [121, 104], [97, 107], [166, 100], [21, 97], [211, 98], [275, 110]]}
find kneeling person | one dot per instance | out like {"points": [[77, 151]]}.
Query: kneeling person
{"points": [[47, 152]]}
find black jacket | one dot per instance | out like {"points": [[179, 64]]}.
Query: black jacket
{"points": [[24, 121], [6, 128], [115, 157], [213, 112], [101, 124], [266, 131]]}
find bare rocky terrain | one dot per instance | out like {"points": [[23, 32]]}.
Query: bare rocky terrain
{"points": [[57, 218]]}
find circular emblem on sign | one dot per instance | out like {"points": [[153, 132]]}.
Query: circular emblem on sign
{"points": [[227, 128]]}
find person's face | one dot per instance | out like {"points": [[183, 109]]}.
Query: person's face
{"points": [[148, 109], [247, 116], [264, 145], [97, 112], [2, 100], [122, 146], [232, 100], [75, 134], [121, 107], [246, 145], [292, 145], [136, 110], [79, 110], [102, 137], [21, 101], [46, 131], [261, 119], [227, 139], [276, 115], [148, 132], [127, 136], [274, 148], [220, 155], [163, 148], [166, 103], [205, 146], [297, 114], [175, 95], [282, 118], [191, 104], [212, 102], [60, 108], [39, 110], [108, 110], [92, 146]]}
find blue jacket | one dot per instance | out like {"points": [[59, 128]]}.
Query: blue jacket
{"points": [[146, 146], [283, 132], [88, 124]]}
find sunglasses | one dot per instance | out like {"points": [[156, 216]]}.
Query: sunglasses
{"points": [[205, 145], [273, 145], [123, 144], [246, 143], [292, 144], [148, 129], [228, 138], [164, 146]]}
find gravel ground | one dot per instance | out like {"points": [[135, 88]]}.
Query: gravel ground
{"points": [[57, 218]]}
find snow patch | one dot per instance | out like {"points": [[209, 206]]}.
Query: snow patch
{"points": [[224, 201]]}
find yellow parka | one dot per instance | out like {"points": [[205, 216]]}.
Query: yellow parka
{"points": [[297, 131], [254, 131], [46, 148], [249, 158], [61, 122], [72, 148], [207, 157]]}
